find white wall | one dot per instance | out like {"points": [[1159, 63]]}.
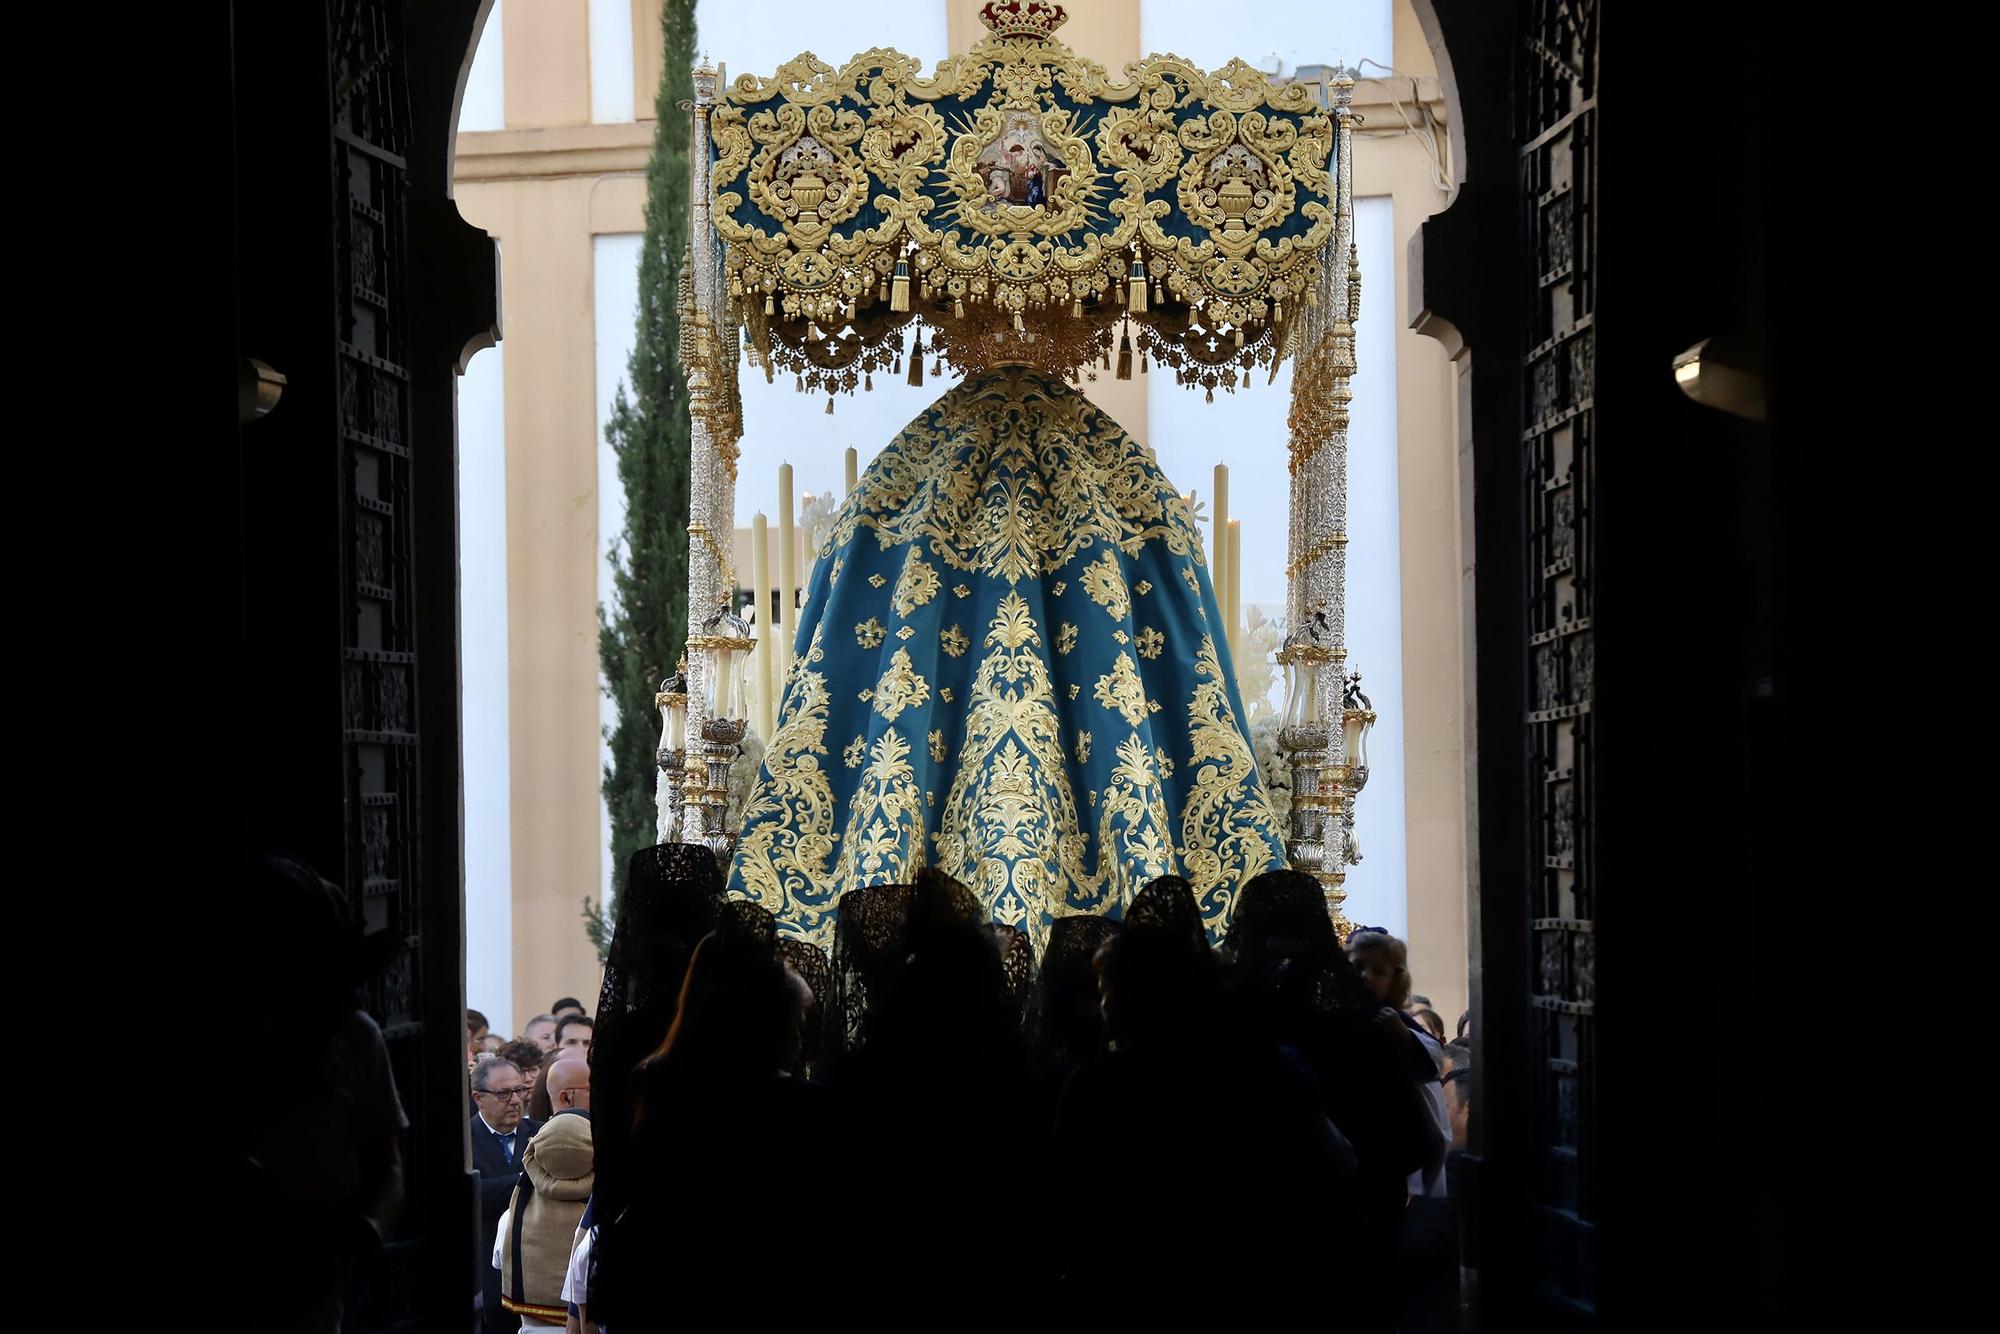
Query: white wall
{"points": [[610, 60], [483, 748], [616, 303], [1323, 33], [1377, 889], [756, 38], [484, 106]]}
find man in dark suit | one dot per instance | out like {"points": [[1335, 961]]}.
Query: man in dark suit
{"points": [[500, 1135]]}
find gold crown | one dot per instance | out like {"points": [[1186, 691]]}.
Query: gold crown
{"points": [[1014, 18]]}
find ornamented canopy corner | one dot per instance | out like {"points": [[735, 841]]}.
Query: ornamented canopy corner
{"points": [[1022, 204]]}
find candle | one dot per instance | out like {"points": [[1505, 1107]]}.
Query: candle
{"points": [[1218, 561], [760, 596], [1235, 583], [788, 565], [853, 465]]}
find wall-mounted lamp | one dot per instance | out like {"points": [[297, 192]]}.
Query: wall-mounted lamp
{"points": [[1724, 373]]}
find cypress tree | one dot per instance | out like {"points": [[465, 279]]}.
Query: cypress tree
{"points": [[643, 628]]}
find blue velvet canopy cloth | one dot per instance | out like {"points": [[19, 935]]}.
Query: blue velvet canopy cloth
{"points": [[1010, 666]]}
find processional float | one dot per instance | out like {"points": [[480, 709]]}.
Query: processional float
{"points": [[1022, 207]]}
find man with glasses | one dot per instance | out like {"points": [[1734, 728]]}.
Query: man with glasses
{"points": [[500, 1134]]}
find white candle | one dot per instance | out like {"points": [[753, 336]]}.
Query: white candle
{"points": [[760, 595], [788, 566], [1235, 583], [1218, 560], [853, 466]]}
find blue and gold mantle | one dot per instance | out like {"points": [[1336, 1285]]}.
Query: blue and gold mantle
{"points": [[1010, 667]]}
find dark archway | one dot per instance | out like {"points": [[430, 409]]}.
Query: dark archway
{"points": [[1639, 760]]}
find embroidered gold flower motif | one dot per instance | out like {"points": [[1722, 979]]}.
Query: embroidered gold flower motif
{"points": [[960, 590], [1105, 583], [868, 634], [944, 693], [1058, 588], [905, 632], [1143, 587], [1074, 689], [919, 583], [1121, 689], [930, 797], [833, 576], [864, 695], [1152, 706], [937, 745], [954, 642], [855, 752], [877, 580], [1151, 642], [900, 687], [1165, 760], [1121, 636], [1083, 748], [1194, 584], [1065, 637]]}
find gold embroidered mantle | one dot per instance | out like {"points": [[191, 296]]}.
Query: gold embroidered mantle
{"points": [[1053, 778]]}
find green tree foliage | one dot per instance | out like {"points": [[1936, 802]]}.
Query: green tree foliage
{"points": [[642, 629]]}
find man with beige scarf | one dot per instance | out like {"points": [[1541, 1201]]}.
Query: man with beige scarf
{"points": [[532, 1248]]}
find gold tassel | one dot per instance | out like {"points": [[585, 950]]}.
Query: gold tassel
{"points": [[937, 366], [1076, 309], [1246, 379], [1138, 298], [899, 291], [770, 308], [1239, 335], [868, 382], [800, 387], [1125, 357], [1211, 395], [896, 366], [829, 405], [1278, 316], [917, 360], [770, 376], [957, 308], [1142, 366], [1018, 326]]}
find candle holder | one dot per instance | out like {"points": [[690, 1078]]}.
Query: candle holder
{"points": [[725, 638], [671, 701], [1357, 720], [1306, 738]]}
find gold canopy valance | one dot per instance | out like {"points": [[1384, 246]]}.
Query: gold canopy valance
{"points": [[1022, 205]]}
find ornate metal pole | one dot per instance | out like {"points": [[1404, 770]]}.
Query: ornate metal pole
{"points": [[708, 352], [1317, 571]]}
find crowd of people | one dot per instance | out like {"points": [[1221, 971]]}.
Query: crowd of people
{"points": [[1137, 1122]]}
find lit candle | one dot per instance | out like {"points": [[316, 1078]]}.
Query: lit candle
{"points": [[760, 597], [1218, 560], [853, 466], [788, 565]]}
